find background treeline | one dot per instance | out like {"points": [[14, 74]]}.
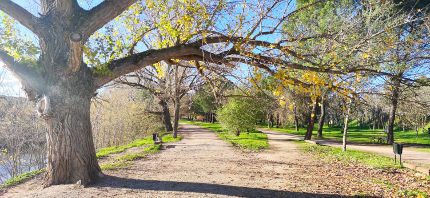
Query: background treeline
{"points": [[292, 109], [122, 115], [22, 138]]}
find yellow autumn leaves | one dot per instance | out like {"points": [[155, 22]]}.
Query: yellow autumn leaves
{"points": [[178, 20]]}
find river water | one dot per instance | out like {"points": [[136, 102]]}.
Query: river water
{"points": [[27, 163]]}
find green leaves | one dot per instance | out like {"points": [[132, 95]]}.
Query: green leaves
{"points": [[239, 114], [15, 43], [102, 70], [204, 102]]}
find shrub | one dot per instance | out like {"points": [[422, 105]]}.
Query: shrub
{"points": [[239, 114]]}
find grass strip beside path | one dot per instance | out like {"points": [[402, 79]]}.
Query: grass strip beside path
{"points": [[349, 156], [20, 178], [124, 160], [104, 152], [361, 134], [364, 135], [252, 141]]}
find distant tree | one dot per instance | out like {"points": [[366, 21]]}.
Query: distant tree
{"points": [[208, 97], [166, 82], [323, 109], [204, 102], [119, 116], [347, 113], [405, 56], [239, 114]]}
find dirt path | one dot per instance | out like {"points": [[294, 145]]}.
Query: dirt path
{"points": [[201, 165]]}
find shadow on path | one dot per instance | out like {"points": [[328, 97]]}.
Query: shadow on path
{"points": [[219, 189]]}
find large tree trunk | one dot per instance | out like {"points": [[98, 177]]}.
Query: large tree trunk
{"points": [[66, 109], [312, 119], [270, 120], [176, 118], [166, 115], [393, 109], [177, 101], [71, 151], [213, 120], [321, 120]]}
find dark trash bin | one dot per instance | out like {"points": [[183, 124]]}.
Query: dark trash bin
{"points": [[398, 150]]}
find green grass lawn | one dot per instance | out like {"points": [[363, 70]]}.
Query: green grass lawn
{"points": [[349, 156], [252, 141], [20, 178], [363, 135], [423, 149], [103, 152], [125, 160]]}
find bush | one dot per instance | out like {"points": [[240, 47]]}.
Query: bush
{"points": [[239, 114]]}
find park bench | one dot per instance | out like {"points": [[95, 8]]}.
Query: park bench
{"points": [[378, 139]]}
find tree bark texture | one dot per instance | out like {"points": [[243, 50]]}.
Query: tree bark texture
{"points": [[166, 115], [176, 118], [70, 146], [66, 109], [71, 152], [312, 119], [177, 102], [321, 120], [392, 117]]}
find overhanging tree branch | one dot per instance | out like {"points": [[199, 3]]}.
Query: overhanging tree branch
{"points": [[101, 15], [139, 60], [24, 17], [31, 81]]}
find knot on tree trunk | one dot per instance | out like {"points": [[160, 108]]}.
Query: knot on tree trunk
{"points": [[43, 107]]}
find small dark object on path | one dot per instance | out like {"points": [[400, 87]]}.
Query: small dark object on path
{"points": [[156, 138]]}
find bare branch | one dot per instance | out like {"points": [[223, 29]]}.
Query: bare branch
{"points": [[285, 17], [102, 14], [21, 15]]}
